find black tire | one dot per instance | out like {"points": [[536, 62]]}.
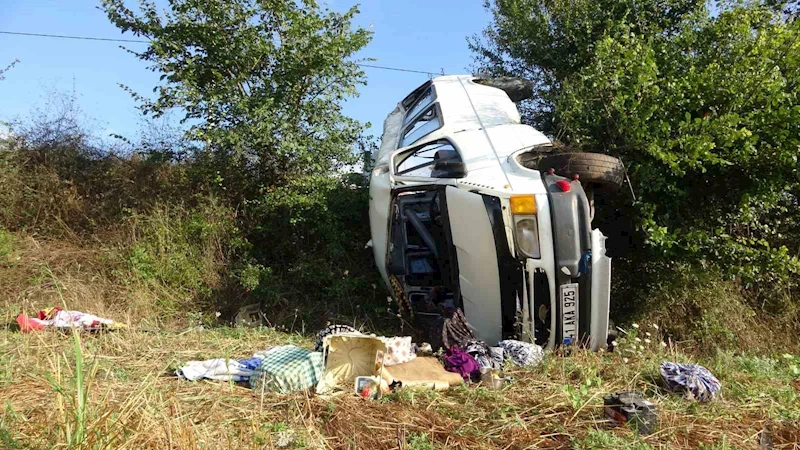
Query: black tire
{"points": [[590, 167]]}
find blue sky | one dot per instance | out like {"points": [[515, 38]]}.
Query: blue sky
{"points": [[416, 34]]}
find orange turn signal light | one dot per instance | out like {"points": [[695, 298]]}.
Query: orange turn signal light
{"points": [[523, 204]]}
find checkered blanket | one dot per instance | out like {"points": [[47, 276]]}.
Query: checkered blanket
{"points": [[288, 369]]}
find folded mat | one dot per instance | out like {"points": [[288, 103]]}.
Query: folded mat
{"points": [[422, 371]]}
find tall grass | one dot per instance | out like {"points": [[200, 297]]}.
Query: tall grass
{"points": [[83, 420], [180, 252], [74, 411]]}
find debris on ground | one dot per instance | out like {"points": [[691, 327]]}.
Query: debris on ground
{"points": [[370, 365], [398, 351], [488, 357], [219, 369], [523, 354], [631, 408], [225, 369], [462, 363], [456, 330]]}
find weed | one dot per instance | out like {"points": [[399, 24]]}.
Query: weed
{"points": [[718, 446], [411, 396], [6, 440], [419, 441], [6, 243], [603, 440], [581, 394]]}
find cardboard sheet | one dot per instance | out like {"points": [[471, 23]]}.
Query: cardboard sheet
{"points": [[348, 356]]}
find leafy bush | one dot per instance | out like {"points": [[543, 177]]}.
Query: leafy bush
{"points": [[701, 104], [185, 250]]}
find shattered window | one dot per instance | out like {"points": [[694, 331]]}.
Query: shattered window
{"points": [[421, 103], [416, 94], [425, 124], [419, 162]]}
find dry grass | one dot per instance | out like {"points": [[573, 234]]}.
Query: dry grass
{"points": [[125, 395], [134, 402]]}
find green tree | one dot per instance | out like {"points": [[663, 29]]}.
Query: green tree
{"points": [[701, 103], [261, 83]]}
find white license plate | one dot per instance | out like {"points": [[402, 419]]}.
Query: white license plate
{"points": [[569, 313]]}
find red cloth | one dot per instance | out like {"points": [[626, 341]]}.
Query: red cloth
{"points": [[48, 313], [27, 324]]}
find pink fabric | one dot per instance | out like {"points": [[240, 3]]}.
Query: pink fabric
{"points": [[398, 351]]}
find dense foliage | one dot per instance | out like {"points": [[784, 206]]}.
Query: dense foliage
{"points": [[260, 83], [700, 102]]}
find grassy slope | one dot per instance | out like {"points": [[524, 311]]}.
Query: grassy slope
{"points": [[125, 397]]}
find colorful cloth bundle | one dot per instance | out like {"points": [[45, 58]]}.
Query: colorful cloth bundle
{"points": [[694, 380], [521, 353], [398, 351], [219, 369], [60, 318], [487, 357], [456, 330]]}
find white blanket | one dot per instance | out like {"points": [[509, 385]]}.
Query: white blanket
{"points": [[215, 369], [221, 369]]}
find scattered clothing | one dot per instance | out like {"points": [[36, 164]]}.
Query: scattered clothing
{"points": [[223, 369], [487, 357], [288, 369], [498, 355], [219, 369], [456, 330], [521, 353], [61, 318], [398, 351], [462, 363], [694, 380], [251, 363], [332, 330]]}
